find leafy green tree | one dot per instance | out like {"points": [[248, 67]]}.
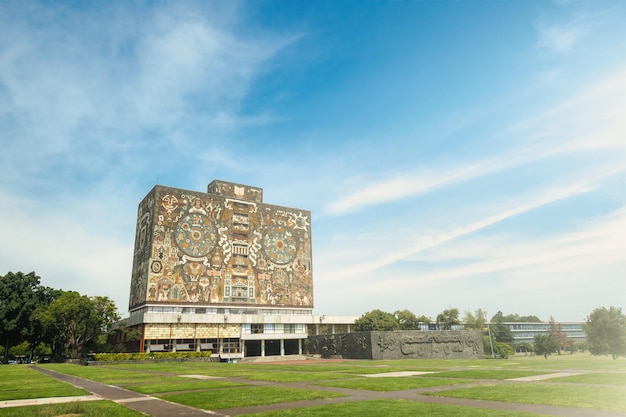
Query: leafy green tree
{"points": [[500, 331], [558, 335], [503, 350], [19, 298], [524, 347], [423, 319], [448, 318], [376, 320], [544, 345], [475, 321], [76, 322], [606, 331], [521, 319], [407, 320]]}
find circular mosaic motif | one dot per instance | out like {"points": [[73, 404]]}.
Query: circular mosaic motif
{"points": [[279, 245], [195, 235], [156, 267]]}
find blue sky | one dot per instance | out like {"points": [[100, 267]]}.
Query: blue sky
{"points": [[453, 154]]}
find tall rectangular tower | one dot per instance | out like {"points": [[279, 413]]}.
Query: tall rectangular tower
{"points": [[223, 247]]}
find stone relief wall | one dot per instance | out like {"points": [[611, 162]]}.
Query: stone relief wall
{"points": [[406, 344]]}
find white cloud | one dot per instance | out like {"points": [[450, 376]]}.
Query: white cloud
{"points": [[409, 247], [592, 120], [89, 90], [560, 39], [66, 245]]}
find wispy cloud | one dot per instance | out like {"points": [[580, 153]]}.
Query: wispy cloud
{"points": [[78, 91], [560, 39], [594, 121], [426, 240]]}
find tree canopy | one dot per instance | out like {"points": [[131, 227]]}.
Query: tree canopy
{"points": [[557, 334], [67, 322], [544, 345], [376, 320], [407, 319], [606, 331], [521, 319], [448, 318], [20, 295], [77, 320], [476, 320], [500, 331]]}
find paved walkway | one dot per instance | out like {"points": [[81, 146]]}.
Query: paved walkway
{"points": [[160, 408], [143, 403]]}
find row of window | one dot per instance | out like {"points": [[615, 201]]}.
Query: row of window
{"points": [[272, 328], [229, 310], [225, 345]]}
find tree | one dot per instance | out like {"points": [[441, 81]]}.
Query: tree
{"points": [[19, 298], [376, 320], [407, 320], [521, 319], [448, 318], [423, 319], [558, 335], [500, 331], [606, 331], [76, 322], [476, 321], [544, 345]]}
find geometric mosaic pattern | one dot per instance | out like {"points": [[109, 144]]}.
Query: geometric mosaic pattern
{"points": [[221, 247]]}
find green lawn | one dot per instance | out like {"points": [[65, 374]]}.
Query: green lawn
{"points": [[107, 375], [485, 374], [245, 396], [394, 408], [595, 378], [86, 409], [601, 385], [20, 382], [161, 386], [386, 384], [600, 398]]}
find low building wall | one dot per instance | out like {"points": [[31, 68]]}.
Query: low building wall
{"points": [[406, 344]]}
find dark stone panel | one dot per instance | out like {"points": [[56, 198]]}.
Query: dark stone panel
{"points": [[409, 344]]}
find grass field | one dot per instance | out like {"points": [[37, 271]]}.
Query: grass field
{"points": [[21, 382], [90, 409], [593, 383]]}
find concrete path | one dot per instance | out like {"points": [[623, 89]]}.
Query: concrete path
{"points": [[160, 408], [146, 404], [49, 400]]}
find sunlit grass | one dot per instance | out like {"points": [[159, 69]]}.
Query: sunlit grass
{"points": [[160, 386], [594, 378], [600, 387], [246, 396], [600, 398], [85, 409], [485, 374], [395, 408], [20, 382], [388, 384]]}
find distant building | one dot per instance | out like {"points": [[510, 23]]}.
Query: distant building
{"points": [[525, 332], [222, 271]]}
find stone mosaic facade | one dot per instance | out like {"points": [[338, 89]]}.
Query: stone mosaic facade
{"points": [[438, 344], [223, 247]]}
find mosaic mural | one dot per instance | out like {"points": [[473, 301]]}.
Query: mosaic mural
{"points": [[221, 247]]}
